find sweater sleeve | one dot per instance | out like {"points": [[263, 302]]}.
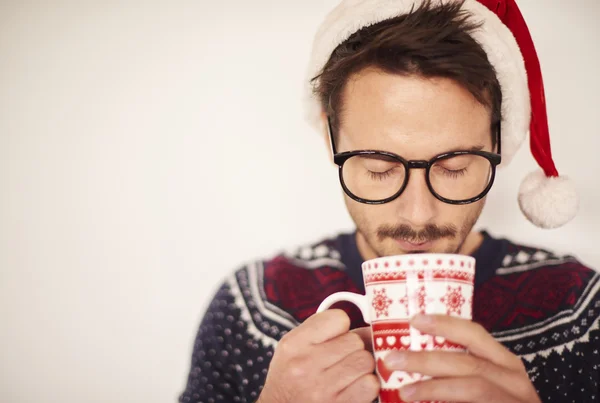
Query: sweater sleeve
{"points": [[227, 365], [572, 373]]}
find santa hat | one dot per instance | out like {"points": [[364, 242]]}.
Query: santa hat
{"points": [[545, 198]]}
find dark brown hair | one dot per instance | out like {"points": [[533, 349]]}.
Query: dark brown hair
{"points": [[429, 41]]}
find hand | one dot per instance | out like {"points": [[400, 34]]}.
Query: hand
{"points": [[487, 373], [321, 361]]}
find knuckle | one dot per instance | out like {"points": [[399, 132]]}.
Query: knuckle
{"points": [[285, 345], [478, 330], [370, 385], [355, 342], [478, 366], [341, 317], [367, 388], [363, 361], [330, 314], [424, 360], [481, 390], [331, 319]]}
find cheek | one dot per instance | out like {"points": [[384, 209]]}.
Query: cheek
{"points": [[469, 214], [368, 218], [459, 216], [357, 211], [452, 214]]}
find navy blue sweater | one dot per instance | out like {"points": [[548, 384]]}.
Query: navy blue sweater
{"points": [[542, 307]]}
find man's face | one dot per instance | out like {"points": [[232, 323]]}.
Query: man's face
{"points": [[418, 119]]}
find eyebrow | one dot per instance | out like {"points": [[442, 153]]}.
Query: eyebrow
{"points": [[378, 156], [478, 147]]}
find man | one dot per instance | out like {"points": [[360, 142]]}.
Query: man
{"points": [[420, 101]]}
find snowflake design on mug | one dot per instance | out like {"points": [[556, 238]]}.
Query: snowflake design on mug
{"points": [[422, 299], [453, 300], [381, 302]]}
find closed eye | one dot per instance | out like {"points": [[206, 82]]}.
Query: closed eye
{"points": [[379, 176], [454, 173]]}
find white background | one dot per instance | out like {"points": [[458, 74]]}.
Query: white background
{"points": [[149, 148]]}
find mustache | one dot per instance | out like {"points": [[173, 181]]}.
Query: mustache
{"points": [[431, 232]]}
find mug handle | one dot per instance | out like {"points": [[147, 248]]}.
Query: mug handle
{"points": [[359, 300]]}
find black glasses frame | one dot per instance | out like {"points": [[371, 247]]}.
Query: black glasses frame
{"points": [[340, 158]]}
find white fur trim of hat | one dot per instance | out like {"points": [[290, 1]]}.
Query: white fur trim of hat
{"points": [[545, 198]]}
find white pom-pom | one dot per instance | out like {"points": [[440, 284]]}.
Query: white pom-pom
{"points": [[548, 202]]}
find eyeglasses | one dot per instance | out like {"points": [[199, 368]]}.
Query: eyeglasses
{"points": [[378, 177]]}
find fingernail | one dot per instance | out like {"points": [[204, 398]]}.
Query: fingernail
{"points": [[407, 392], [422, 320], [395, 360]]}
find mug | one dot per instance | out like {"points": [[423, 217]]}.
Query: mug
{"points": [[399, 287]]}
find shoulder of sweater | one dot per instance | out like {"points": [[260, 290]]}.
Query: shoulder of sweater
{"points": [[276, 294], [539, 302]]}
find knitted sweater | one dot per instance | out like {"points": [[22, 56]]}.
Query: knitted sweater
{"points": [[543, 307]]}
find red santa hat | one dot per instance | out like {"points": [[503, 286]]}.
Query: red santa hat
{"points": [[545, 198]]}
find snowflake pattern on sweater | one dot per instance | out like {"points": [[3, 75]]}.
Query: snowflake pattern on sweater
{"points": [[543, 307]]}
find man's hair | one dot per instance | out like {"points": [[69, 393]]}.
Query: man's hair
{"points": [[429, 41]]}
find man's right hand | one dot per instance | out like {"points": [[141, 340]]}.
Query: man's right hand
{"points": [[322, 361]]}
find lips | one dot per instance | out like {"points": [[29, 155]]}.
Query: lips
{"points": [[409, 246]]}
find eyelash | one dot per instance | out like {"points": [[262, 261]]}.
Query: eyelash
{"points": [[455, 174], [383, 175], [380, 175]]}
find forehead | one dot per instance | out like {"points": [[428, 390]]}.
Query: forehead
{"points": [[413, 116]]}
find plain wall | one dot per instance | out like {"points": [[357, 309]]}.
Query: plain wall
{"points": [[147, 149]]}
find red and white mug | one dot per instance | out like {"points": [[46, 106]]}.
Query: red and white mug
{"points": [[399, 287]]}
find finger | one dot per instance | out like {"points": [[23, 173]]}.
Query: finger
{"points": [[322, 327], [349, 369], [334, 350], [471, 390], [366, 335], [469, 334], [364, 389], [451, 364]]}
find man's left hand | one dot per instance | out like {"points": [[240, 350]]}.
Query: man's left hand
{"points": [[488, 373]]}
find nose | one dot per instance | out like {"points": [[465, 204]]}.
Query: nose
{"points": [[416, 204]]}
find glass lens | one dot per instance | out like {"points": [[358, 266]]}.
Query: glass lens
{"points": [[373, 177], [460, 177]]}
